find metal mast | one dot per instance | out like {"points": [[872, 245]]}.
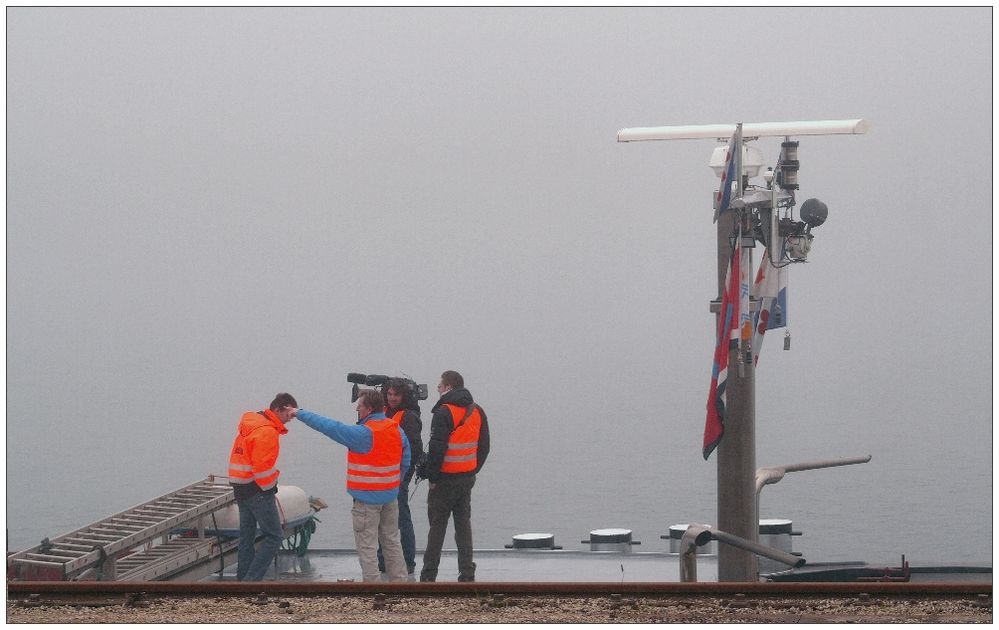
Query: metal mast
{"points": [[736, 453]]}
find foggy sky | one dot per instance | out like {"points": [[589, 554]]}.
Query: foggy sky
{"points": [[208, 206]]}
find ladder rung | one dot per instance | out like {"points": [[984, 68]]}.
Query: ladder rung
{"points": [[175, 505], [161, 514], [73, 547], [206, 494], [41, 563], [112, 531], [131, 529], [197, 500], [138, 521], [99, 536], [94, 542], [134, 520], [69, 553], [47, 558], [152, 509]]}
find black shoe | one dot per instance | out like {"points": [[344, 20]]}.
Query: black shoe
{"points": [[427, 578], [468, 578]]}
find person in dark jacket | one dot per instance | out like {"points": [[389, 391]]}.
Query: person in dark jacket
{"points": [[401, 406], [458, 447]]}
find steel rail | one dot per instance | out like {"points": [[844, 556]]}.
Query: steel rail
{"points": [[477, 588]]}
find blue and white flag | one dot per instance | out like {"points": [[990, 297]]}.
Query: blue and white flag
{"points": [[733, 164], [771, 289]]}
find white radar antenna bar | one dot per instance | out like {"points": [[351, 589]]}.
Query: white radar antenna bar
{"points": [[749, 130]]}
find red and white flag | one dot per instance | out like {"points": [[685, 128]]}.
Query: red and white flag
{"points": [[726, 338]]}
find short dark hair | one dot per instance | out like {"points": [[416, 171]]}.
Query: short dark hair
{"points": [[373, 399], [283, 400], [452, 379]]}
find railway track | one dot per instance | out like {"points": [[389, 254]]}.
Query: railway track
{"points": [[521, 588]]}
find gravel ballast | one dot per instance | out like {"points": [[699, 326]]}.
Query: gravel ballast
{"points": [[497, 608]]}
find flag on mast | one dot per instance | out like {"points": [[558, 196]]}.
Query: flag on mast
{"points": [[745, 316], [733, 164], [771, 289], [727, 337]]}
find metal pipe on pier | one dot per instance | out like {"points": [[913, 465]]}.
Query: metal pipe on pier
{"points": [[698, 535]]}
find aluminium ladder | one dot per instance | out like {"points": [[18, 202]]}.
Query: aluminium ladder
{"points": [[123, 546]]}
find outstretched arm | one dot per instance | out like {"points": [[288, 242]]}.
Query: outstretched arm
{"points": [[354, 437]]}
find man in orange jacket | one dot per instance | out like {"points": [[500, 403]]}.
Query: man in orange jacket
{"points": [[459, 445], [253, 475]]}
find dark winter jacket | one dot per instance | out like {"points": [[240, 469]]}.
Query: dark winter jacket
{"points": [[441, 427], [412, 426]]}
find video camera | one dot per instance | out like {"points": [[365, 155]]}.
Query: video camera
{"points": [[420, 392]]}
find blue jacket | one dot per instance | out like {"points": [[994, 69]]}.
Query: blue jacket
{"points": [[357, 438]]}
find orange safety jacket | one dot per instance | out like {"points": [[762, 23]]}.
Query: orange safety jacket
{"points": [[379, 468], [255, 450], [463, 444], [397, 418]]}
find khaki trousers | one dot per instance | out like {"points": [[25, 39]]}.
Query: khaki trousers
{"points": [[374, 525]]}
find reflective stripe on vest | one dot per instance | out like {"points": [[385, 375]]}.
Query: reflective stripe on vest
{"points": [[379, 468], [463, 444], [236, 473]]}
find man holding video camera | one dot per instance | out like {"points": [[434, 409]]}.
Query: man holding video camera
{"points": [[377, 458], [402, 408], [458, 447]]}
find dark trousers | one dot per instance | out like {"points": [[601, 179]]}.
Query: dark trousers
{"points": [[450, 497], [261, 511]]}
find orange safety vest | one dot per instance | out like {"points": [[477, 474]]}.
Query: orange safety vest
{"points": [[397, 418], [463, 443], [255, 450], [379, 468]]}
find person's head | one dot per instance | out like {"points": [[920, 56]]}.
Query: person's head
{"points": [[369, 401], [285, 407], [450, 380], [398, 394]]}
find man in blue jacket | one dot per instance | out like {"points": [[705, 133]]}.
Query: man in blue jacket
{"points": [[377, 458]]}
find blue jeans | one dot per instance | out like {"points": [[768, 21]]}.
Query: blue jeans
{"points": [[407, 536], [259, 510]]}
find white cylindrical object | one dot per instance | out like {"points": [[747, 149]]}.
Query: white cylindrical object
{"points": [[292, 501], [776, 534], [534, 541], [749, 130], [612, 539]]}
